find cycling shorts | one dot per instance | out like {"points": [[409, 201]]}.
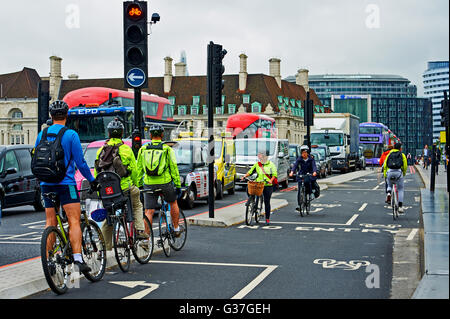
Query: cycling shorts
{"points": [[167, 190], [67, 194]]}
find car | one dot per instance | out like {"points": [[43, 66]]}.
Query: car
{"points": [[192, 161], [361, 162], [324, 150], [320, 163], [294, 153], [18, 185]]}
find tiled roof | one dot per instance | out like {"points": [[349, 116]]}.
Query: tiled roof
{"points": [[262, 88], [19, 84]]}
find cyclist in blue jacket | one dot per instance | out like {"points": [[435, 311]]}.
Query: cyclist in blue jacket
{"points": [[305, 164], [66, 189]]}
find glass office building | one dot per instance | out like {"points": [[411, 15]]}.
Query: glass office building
{"points": [[394, 102], [435, 82]]}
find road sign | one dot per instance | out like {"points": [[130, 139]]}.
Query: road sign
{"points": [[136, 77]]}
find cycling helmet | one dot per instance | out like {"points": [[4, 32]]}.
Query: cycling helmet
{"points": [[115, 128], [304, 148], [58, 108], [156, 129]]}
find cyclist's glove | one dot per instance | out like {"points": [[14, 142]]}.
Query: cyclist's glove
{"points": [[94, 186], [178, 192]]}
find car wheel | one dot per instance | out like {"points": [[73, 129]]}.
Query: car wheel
{"points": [[190, 197], [231, 190], [219, 190]]}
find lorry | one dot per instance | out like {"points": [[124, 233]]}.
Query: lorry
{"points": [[340, 132]]}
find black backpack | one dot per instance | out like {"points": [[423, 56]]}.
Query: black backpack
{"points": [[47, 161], [109, 160], [395, 160]]}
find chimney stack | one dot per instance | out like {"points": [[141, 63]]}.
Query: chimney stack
{"points": [[243, 73], [302, 79], [168, 74], [275, 70], [180, 69], [55, 77]]}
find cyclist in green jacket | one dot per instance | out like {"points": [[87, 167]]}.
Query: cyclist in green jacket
{"points": [[129, 179], [266, 172], [157, 165]]}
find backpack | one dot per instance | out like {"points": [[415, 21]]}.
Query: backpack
{"points": [[155, 161], [395, 160], [109, 160], [47, 161]]}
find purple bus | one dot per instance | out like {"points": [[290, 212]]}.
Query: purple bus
{"points": [[374, 140]]}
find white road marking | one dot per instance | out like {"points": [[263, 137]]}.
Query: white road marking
{"points": [[351, 220], [412, 234], [363, 207]]}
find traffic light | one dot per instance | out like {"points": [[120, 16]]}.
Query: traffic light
{"points": [[136, 140], [135, 44], [309, 112], [215, 57], [444, 113]]}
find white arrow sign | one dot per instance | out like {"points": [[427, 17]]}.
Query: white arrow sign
{"points": [[134, 77], [134, 284]]}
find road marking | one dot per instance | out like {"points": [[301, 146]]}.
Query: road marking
{"points": [[412, 234], [134, 284], [33, 223], [375, 188], [363, 207], [351, 220], [244, 291], [20, 235]]}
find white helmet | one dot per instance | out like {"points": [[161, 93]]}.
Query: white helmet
{"points": [[304, 148]]}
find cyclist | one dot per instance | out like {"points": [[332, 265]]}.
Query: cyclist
{"points": [[127, 170], [66, 189], [157, 165], [305, 164], [395, 169], [382, 159], [266, 172]]}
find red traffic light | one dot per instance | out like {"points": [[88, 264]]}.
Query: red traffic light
{"points": [[134, 11], [137, 138]]}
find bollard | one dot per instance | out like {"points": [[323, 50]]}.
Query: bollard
{"points": [[433, 167]]}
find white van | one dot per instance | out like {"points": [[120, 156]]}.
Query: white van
{"points": [[247, 155]]}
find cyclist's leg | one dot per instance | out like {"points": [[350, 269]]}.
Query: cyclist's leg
{"points": [[136, 204], [267, 194], [150, 202], [73, 212], [50, 212], [107, 231], [170, 196], [401, 190]]}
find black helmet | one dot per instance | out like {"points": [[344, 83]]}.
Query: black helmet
{"points": [[115, 128], [156, 129], [58, 108]]}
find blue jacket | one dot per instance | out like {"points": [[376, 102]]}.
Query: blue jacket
{"points": [[72, 152], [303, 167]]}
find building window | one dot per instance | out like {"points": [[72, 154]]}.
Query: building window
{"points": [[172, 100], [256, 107], [196, 100], [17, 127], [194, 110], [231, 108], [246, 98], [182, 110], [16, 114]]}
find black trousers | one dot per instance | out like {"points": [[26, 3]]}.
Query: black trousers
{"points": [[267, 194]]}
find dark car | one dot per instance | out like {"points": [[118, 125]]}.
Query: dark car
{"points": [[320, 163], [324, 151], [18, 186], [294, 153]]}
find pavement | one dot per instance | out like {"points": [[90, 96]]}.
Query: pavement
{"points": [[435, 209], [25, 278]]}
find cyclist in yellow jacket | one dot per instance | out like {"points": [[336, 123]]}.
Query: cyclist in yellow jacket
{"points": [[157, 166], [394, 171], [266, 172], [129, 180]]}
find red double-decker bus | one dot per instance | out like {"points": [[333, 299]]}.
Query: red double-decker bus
{"points": [[92, 108], [249, 125]]}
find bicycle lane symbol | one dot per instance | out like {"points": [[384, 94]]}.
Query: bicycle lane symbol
{"points": [[328, 263]]}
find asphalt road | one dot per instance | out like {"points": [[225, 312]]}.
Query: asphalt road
{"points": [[342, 250]]}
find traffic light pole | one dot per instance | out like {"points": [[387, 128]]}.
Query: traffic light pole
{"points": [[210, 101], [307, 116], [447, 147]]}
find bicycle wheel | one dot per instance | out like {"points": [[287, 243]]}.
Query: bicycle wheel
{"points": [[163, 240], [143, 248], [249, 210], [54, 260], [178, 242], [300, 199], [394, 202], [258, 208], [121, 247], [94, 250], [307, 203]]}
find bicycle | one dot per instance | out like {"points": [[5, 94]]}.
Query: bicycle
{"points": [[167, 239], [304, 199], [394, 198], [119, 208], [56, 250], [255, 199]]}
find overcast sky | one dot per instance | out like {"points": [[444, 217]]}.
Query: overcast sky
{"points": [[324, 36]]}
